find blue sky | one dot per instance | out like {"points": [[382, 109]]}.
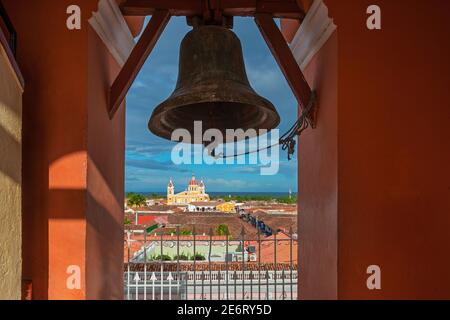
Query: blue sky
{"points": [[148, 166]]}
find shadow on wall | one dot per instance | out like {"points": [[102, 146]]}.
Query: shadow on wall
{"points": [[89, 242], [85, 221], [60, 119], [10, 155]]}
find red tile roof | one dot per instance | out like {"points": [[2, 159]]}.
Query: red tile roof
{"points": [[205, 203]]}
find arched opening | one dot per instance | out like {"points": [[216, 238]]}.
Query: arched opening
{"points": [[148, 172]]}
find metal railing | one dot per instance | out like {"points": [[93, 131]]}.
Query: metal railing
{"points": [[12, 41], [207, 267]]}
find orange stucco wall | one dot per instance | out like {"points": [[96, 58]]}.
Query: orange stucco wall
{"points": [[72, 156], [318, 182], [391, 173], [106, 170]]}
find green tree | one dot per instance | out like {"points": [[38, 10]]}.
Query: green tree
{"points": [[222, 230], [186, 232], [165, 257], [267, 198], [136, 199], [183, 256], [198, 257]]}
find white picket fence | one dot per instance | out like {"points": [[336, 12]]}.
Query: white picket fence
{"points": [[211, 285]]}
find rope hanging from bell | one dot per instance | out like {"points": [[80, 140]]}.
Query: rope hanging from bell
{"points": [[287, 140]]}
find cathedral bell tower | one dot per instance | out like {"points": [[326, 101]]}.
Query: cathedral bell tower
{"points": [[201, 188], [170, 192]]}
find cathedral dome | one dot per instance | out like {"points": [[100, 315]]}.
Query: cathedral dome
{"points": [[193, 182]]}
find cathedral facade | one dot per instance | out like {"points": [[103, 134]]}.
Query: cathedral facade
{"points": [[195, 192]]}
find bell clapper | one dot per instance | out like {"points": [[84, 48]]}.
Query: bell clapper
{"points": [[211, 151]]}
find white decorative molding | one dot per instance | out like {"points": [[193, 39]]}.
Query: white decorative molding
{"points": [[112, 28], [315, 30]]}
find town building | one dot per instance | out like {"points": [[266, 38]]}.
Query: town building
{"points": [[227, 207], [194, 193], [142, 215], [212, 206], [204, 206]]}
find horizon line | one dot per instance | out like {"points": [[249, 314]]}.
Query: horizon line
{"points": [[147, 191]]}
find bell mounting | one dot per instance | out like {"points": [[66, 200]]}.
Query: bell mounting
{"points": [[214, 12]]}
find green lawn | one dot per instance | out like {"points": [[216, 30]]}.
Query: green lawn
{"points": [[217, 251]]}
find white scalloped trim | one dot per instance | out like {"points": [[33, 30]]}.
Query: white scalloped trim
{"points": [[315, 30], [112, 28]]}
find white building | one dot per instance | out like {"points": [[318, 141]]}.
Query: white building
{"points": [[203, 206]]}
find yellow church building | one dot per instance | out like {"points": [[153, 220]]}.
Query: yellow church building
{"points": [[194, 193]]}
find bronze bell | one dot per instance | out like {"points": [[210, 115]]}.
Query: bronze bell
{"points": [[212, 87]]}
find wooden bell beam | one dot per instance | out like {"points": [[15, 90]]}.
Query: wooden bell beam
{"points": [[241, 8], [137, 58], [286, 61]]}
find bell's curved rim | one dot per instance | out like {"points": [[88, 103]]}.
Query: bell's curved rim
{"points": [[189, 97], [164, 132]]}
